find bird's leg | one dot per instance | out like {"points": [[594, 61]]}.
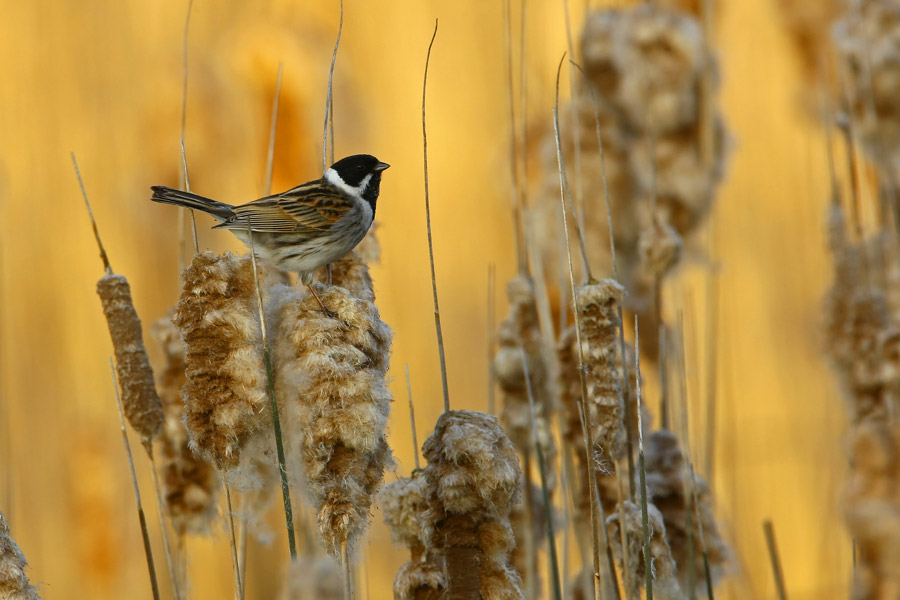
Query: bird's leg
{"points": [[328, 313]]}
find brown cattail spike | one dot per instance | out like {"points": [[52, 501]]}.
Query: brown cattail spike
{"points": [[142, 405], [13, 581], [190, 482], [665, 582]]}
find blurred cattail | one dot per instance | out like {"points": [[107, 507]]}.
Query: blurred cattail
{"points": [[660, 248], [473, 477], [330, 377], [872, 508], [140, 402], [190, 483], [867, 39], [646, 65], [862, 330], [808, 26], [665, 580], [521, 330], [226, 404], [405, 504], [313, 578], [13, 581], [534, 519], [670, 487]]}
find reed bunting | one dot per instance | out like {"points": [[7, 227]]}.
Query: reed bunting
{"points": [[306, 227]]}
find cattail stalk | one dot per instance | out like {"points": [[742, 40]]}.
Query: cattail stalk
{"points": [[437, 312], [145, 535]]}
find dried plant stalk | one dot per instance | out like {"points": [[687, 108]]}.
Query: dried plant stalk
{"points": [[313, 578], [330, 375], [670, 487], [142, 405], [13, 580], [665, 580], [190, 483], [473, 477], [225, 395], [405, 505]]}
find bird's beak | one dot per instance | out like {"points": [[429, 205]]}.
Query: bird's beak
{"points": [[381, 166]]}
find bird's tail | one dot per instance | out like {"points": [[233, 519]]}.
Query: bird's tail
{"points": [[166, 195]]}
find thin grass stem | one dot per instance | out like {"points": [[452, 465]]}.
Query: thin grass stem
{"points": [[87, 203], [235, 564], [645, 525], [412, 418], [517, 207], [145, 534], [273, 405], [585, 413], [273, 127], [184, 88], [160, 503], [437, 312], [777, 573], [491, 338], [328, 99], [348, 582]]}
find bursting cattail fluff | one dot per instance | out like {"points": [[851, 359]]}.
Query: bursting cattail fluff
{"points": [[140, 401], [473, 477], [13, 580], [331, 379], [405, 506], [313, 578]]}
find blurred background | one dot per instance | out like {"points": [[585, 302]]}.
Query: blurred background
{"points": [[104, 80]]}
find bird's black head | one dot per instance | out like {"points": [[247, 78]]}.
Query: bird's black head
{"points": [[354, 170]]}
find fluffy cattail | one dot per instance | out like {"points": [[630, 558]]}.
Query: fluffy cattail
{"points": [[405, 504], [660, 248], [140, 401], [13, 581], [473, 477], [310, 578], [670, 487], [665, 580], [190, 483], [225, 395], [520, 330], [331, 380], [867, 38]]}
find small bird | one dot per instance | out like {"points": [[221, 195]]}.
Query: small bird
{"points": [[306, 227]]}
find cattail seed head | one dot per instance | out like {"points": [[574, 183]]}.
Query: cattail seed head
{"points": [[190, 483], [665, 582], [521, 331], [330, 375], [670, 486], [13, 581], [140, 401], [474, 476], [660, 248], [225, 394], [313, 578]]}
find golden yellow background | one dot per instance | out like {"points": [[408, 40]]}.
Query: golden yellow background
{"points": [[103, 79]]}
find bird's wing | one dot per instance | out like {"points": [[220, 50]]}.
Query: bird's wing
{"points": [[311, 208]]}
